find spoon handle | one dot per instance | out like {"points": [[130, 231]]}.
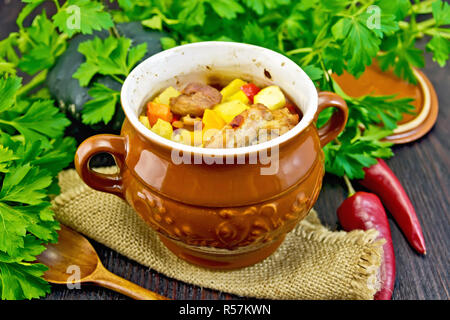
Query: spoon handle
{"points": [[111, 281]]}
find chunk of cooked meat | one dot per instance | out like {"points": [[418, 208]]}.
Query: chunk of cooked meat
{"points": [[283, 120], [195, 99], [254, 125]]}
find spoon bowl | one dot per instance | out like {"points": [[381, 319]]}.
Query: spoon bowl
{"points": [[74, 252]]}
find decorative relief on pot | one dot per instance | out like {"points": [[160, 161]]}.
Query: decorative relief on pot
{"points": [[219, 227], [229, 234]]}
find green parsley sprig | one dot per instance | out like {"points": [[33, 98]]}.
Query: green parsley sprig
{"points": [[32, 152], [112, 57], [35, 48], [33, 149]]}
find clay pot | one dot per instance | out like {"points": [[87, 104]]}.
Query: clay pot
{"points": [[217, 208]]}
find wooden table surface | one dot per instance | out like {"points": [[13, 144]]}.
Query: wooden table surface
{"points": [[422, 166]]}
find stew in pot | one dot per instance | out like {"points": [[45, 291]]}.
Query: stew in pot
{"points": [[237, 115]]}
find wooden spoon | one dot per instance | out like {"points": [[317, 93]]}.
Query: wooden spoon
{"points": [[73, 249]]}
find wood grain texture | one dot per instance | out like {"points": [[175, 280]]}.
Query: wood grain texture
{"points": [[422, 166]]}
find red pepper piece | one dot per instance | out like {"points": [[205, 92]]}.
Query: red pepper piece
{"points": [[250, 90], [292, 108], [365, 211], [175, 117], [380, 179]]}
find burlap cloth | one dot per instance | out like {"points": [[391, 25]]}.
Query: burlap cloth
{"points": [[312, 263]]}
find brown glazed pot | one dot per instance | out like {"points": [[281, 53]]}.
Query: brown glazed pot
{"points": [[217, 208]]}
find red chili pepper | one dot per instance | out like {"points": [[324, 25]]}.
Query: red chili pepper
{"points": [[380, 179], [250, 90], [365, 211]]}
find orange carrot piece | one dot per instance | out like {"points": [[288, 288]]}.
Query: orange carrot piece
{"points": [[157, 111]]}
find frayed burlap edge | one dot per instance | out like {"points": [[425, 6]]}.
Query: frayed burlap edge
{"points": [[367, 275], [363, 280]]}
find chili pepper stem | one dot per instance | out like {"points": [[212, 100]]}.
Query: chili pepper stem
{"points": [[351, 190]]}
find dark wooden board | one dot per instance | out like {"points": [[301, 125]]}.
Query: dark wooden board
{"points": [[422, 166]]}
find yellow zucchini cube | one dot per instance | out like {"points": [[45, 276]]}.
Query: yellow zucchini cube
{"points": [[209, 132], [233, 87], [144, 121], [241, 96], [197, 137], [182, 136], [164, 97], [272, 97], [163, 128], [211, 120], [228, 110]]}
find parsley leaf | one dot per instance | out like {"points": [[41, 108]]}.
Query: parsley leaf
{"points": [[332, 59], [83, 16], [227, 9], [40, 45], [28, 167], [440, 48], [441, 12], [402, 56], [399, 8], [368, 110], [154, 22], [40, 121], [386, 24], [167, 43], [264, 37], [8, 89], [380, 109], [7, 51], [360, 44], [135, 55], [22, 281], [354, 152], [103, 105], [111, 56], [193, 13], [26, 184], [55, 158], [90, 49], [259, 6], [6, 156], [313, 72]]}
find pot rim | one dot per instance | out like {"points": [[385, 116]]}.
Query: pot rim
{"points": [[162, 57]]}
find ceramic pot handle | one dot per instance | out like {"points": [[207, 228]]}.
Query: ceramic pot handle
{"points": [[102, 143], [336, 124]]}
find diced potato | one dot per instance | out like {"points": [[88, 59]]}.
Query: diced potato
{"points": [[165, 96], [272, 97], [144, 121], [233, 87], [241, 96], [163, 128], [208, 133], [182, 136], [197, 137], [228, 110], [212, 120]]}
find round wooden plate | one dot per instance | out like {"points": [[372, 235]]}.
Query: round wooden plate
{"points": [[377, 82]]}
